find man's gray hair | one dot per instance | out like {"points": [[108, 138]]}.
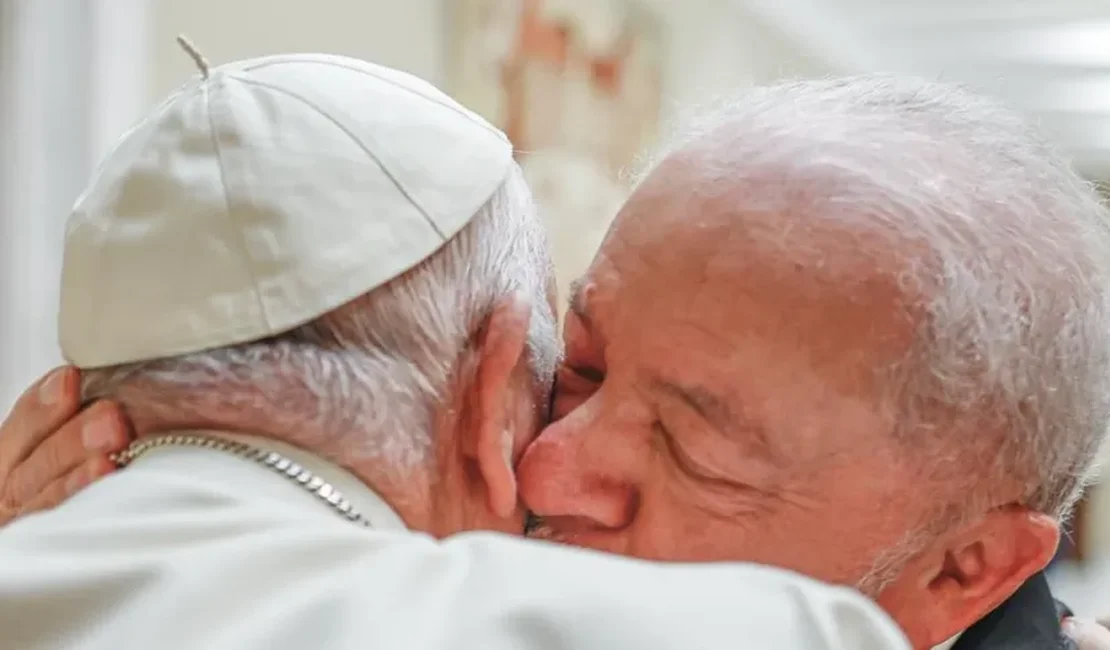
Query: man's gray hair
{"points": [[382, 366], [1002, 250]]}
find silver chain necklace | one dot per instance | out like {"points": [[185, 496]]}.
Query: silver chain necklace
{"points": [[273, 461]]}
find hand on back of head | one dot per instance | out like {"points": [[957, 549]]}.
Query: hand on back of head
{"points": [[51, 448]]}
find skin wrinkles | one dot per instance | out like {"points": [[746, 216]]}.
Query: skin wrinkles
{"points": [[728, 496], [714, 418], [709, 416], [727, 499], [699, 413]]}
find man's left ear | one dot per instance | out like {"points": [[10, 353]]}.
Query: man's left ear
{"points": [[979, 567], [501, 350]]}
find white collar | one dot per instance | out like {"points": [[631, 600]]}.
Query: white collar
{"points": [[947, 645]]}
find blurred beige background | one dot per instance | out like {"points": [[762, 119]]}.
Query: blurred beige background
{"points": [[74, 74]]}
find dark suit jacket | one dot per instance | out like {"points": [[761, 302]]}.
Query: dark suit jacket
{"points": [[1029, 620]]}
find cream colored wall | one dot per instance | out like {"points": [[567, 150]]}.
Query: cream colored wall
{"points": [[711, 47], [1099, 533], [69, 86], [403, 34]]}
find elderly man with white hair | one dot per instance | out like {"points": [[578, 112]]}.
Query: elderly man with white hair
{"points": [[857, 329]]}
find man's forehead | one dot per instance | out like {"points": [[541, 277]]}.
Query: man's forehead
{"points": [[842, 325], [721, 247], [728, 266]]}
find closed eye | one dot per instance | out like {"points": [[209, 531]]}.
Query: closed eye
{"points": [[681, 459], [587, 373], [573, 385], [695, 469]]}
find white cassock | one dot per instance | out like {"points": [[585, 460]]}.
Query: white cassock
{"points": [[196, 548]]}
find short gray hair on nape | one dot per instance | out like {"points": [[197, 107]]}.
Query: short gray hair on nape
{"points": [[380, 367], [1003, 252]]}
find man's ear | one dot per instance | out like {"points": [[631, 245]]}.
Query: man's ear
{"points": [[973, 572], [501, 348]]}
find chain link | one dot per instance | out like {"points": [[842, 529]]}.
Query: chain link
{"points": [[273, 461]]}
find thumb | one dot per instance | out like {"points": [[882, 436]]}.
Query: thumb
{"points": [[1087, 634]]}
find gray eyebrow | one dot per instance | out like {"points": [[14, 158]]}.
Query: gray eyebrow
{"points": [[718, 413], [577, 301], [712, 408]]}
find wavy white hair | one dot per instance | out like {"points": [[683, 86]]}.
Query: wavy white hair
{"points": [[377, 370], [1003, 252]]}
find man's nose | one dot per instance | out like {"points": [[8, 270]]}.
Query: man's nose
{"points": [[565, 473]]}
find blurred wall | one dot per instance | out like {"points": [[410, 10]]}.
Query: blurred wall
{"points": [[74, 74], [403, 34], [711, 46], [69, 85]]}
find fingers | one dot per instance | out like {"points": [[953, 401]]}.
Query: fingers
{"points": [[64, 487], [49, 449], [1087, 634], [94, 433], [38, 412]]}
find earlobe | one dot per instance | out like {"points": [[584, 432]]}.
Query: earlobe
{"points": [[989, 562], [501, 351], [496, 465]]}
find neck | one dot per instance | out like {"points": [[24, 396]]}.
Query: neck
{"points": [[405, 489]]}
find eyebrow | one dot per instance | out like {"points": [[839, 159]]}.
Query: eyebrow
{"points": [[710, 407], [576, 303], [716, 411]]}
